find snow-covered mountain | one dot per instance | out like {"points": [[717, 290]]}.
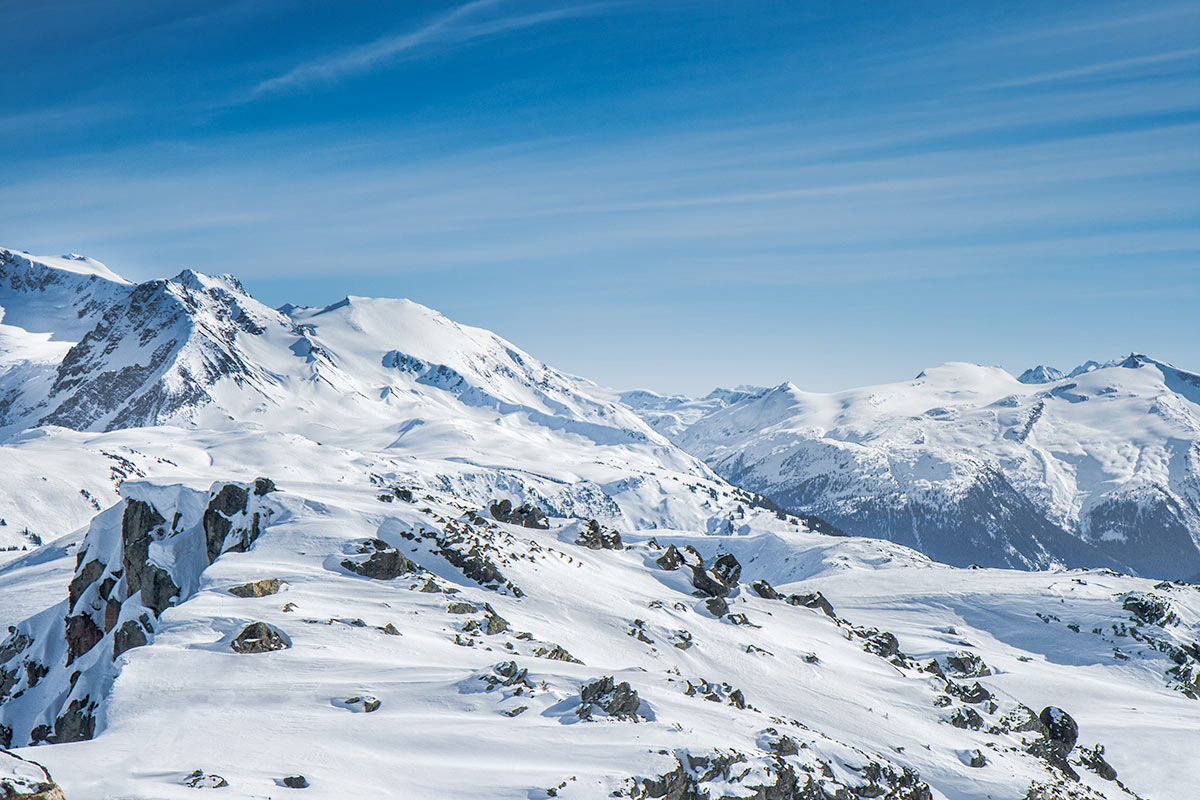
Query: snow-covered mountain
{"points": [[971, 465], [364, 551]]}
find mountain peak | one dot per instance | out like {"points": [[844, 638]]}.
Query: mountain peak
{"points": [[1040, 374], [71, 263]]}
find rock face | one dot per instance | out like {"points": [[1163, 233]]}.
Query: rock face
{"points": [[525, 515], [258, 637], [131, 566]]}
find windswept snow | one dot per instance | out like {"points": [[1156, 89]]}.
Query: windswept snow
{"points": [[275, 558]]}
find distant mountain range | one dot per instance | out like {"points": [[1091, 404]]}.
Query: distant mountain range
{"points": [[1098, 467]]}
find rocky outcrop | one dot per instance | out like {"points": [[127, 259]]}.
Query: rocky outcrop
{"points": [[718, 580], [258, 637], [525, 515], [131, 566], [596, 537], [604, 696], [383, 562]]}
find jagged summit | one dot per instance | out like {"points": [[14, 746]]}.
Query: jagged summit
{"points": [[1040, 374]]}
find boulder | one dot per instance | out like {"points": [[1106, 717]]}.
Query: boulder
{"points": [[966, 718], [262, 588], [670, 559], [258, 637], [813, 600], [295, 782], [1061, 730], [764, 590], [202, 780], [263, 486], [717, 606], [968, 665], [727, 570], [384, 563]]}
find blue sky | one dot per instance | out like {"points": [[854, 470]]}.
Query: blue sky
{"points": [[664, 194]]}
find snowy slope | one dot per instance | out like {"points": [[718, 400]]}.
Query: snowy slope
{"points": [[776, 690], [969, 464], [276, 558]]}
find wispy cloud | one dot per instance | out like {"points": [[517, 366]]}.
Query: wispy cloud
{"points": [[456, 26], [1102, 67]]}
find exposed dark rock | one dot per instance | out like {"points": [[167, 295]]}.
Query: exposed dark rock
{"points": [[82, 635], [127, 637], [727, 569], [473, 564], [765, 590], [138, 521], [84, 577], [77, 723], [460, 607], [614, 699], [1149, 609], [966, 718], [1022, 719], [670, 559], [258, 637], [525, 515], [202, 780], [1093, 759], [972, 694], [229, 501], [263, 486], [1060, 728], [557, 653], [158, 589], [494, 624], [717, 606], [112, 613], [977, 759], [968, 665], [883, 644], [262, 588], [813, 600], [384, 563], [596, 537], [295, 782]]}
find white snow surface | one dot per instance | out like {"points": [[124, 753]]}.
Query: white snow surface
{"points": [[354, 408]]}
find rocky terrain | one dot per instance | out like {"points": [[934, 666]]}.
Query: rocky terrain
{"points": [[363, 551]]}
